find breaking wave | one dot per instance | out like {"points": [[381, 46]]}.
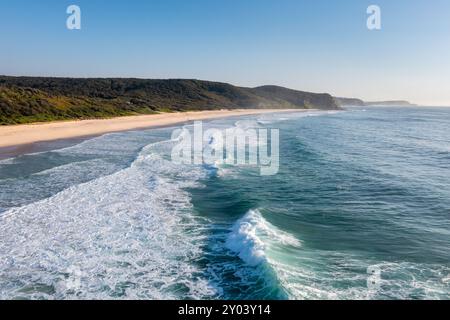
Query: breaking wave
{"points": [[127, 235]]}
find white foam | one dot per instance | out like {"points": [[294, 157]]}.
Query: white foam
{"points": [[129, 235], [247, 124], [77, 168], [332, 276], [270, 118], [251, 235], [320, 274], [39, 185]]}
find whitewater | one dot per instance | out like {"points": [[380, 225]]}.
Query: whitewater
{"points": [[114, 218]]}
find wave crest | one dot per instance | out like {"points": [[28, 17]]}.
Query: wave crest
{"points": [[252, 235]]}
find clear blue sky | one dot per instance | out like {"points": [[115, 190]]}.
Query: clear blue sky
{"points": [[320, 45]]}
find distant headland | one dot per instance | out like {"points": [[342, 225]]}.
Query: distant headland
{"points": [[359, 102]]}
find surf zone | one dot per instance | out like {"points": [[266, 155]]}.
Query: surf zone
{"points": [[233, 146]]}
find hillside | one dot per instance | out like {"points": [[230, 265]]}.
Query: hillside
{"points": [[349, 101], [287, 96], [31, 99]]}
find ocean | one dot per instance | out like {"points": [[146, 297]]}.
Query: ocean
{"points": [[359, 209]]}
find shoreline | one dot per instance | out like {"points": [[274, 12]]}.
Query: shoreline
{"points": [[23, 139]]}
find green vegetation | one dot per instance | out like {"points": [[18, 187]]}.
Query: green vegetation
{"points": [[25, 105], [29, 99]]}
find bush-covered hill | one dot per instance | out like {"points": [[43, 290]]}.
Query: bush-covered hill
{"points": [[32, 99]]}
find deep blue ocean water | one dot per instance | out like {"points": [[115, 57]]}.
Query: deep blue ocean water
{"points": [[360, 209]]}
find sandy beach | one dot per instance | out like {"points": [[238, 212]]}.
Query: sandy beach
{"points": [[17, 139]]}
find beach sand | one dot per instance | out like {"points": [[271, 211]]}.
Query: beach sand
{"points": [[21, 139]]}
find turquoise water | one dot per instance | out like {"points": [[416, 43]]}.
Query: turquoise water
{"points": [[360, 209]]}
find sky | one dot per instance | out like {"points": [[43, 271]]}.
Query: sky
{"points": [[318, 46]]}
